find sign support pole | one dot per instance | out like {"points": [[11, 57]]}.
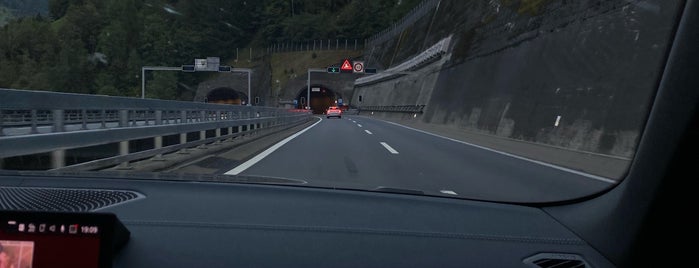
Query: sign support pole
{"points": [[308, 85]]}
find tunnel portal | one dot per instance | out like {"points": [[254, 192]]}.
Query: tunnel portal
{"points": [[321, 98]]}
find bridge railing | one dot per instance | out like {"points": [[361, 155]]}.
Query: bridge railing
{"points": [[393, 108], [36, 122]]}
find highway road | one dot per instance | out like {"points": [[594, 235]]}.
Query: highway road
{"points": [[362, 153]]}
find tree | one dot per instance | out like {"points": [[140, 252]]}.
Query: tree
{"points": [[71, 72], [99, 46], [163, 86], [58, 8]]}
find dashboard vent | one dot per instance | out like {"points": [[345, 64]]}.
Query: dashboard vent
{"points": [[62, 199], [557, 260]]}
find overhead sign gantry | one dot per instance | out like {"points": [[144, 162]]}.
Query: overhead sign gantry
{"points": [[210, 64]]}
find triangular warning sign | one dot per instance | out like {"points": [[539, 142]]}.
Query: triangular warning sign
{"points": [[346, 66]]}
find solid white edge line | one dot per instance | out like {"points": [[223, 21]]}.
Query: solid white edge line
{"points": [[389, 148], [368, 132], [595, 177], [247, 164]]}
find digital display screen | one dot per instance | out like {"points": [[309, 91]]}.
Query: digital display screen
{"points": [[38, 239], [16, 253]]}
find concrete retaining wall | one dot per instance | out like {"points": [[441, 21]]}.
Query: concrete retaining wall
{"points": [[575, 74]]}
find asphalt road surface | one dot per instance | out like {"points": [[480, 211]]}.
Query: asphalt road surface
{"points": [[363, 153]]}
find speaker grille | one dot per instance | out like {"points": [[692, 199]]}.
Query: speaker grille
{"points": [[62, 199]]}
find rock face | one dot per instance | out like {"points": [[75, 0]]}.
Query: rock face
{"points": [[575, 74]]}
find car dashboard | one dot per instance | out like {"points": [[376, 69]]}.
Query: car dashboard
{"points": [[213, 224]]}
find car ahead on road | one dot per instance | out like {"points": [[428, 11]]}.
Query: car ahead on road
{"points": [[333, 112]]}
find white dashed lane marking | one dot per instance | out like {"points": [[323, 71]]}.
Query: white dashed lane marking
{"points": [[389, 148]]}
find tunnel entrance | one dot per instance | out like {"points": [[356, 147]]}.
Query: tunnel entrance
{"points": [[321, 98], [226, 95]]}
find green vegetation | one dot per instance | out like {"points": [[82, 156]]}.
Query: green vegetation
{"points": [[22, 8], [5, 16], [99, 46], [531, 7], [290, 65]]}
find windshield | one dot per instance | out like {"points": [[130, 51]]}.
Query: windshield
{"points": [[525, 101]]}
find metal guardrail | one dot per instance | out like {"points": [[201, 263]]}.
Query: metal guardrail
{"points": [[394, 108], [428, 56], [34, 122], [414, 15]]}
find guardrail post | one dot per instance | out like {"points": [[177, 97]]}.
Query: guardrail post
{"points": [[103, 119], [158, 117], [58, 123], [146, 117], [58, 159], [218, 135], [134, 118], [183, 140], [202, 136], [83, 114], [33, 119], [2, 121], [158, 144], [202, 116], [123, 118], [183, 117], [124, 150], [168, 117]]}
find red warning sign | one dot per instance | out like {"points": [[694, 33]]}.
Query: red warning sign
{"points": [[346, 66]]}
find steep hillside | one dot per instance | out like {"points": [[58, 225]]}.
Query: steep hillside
{"points": [[99, 46], [21, 8], [5, 16], [573, 74]]}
